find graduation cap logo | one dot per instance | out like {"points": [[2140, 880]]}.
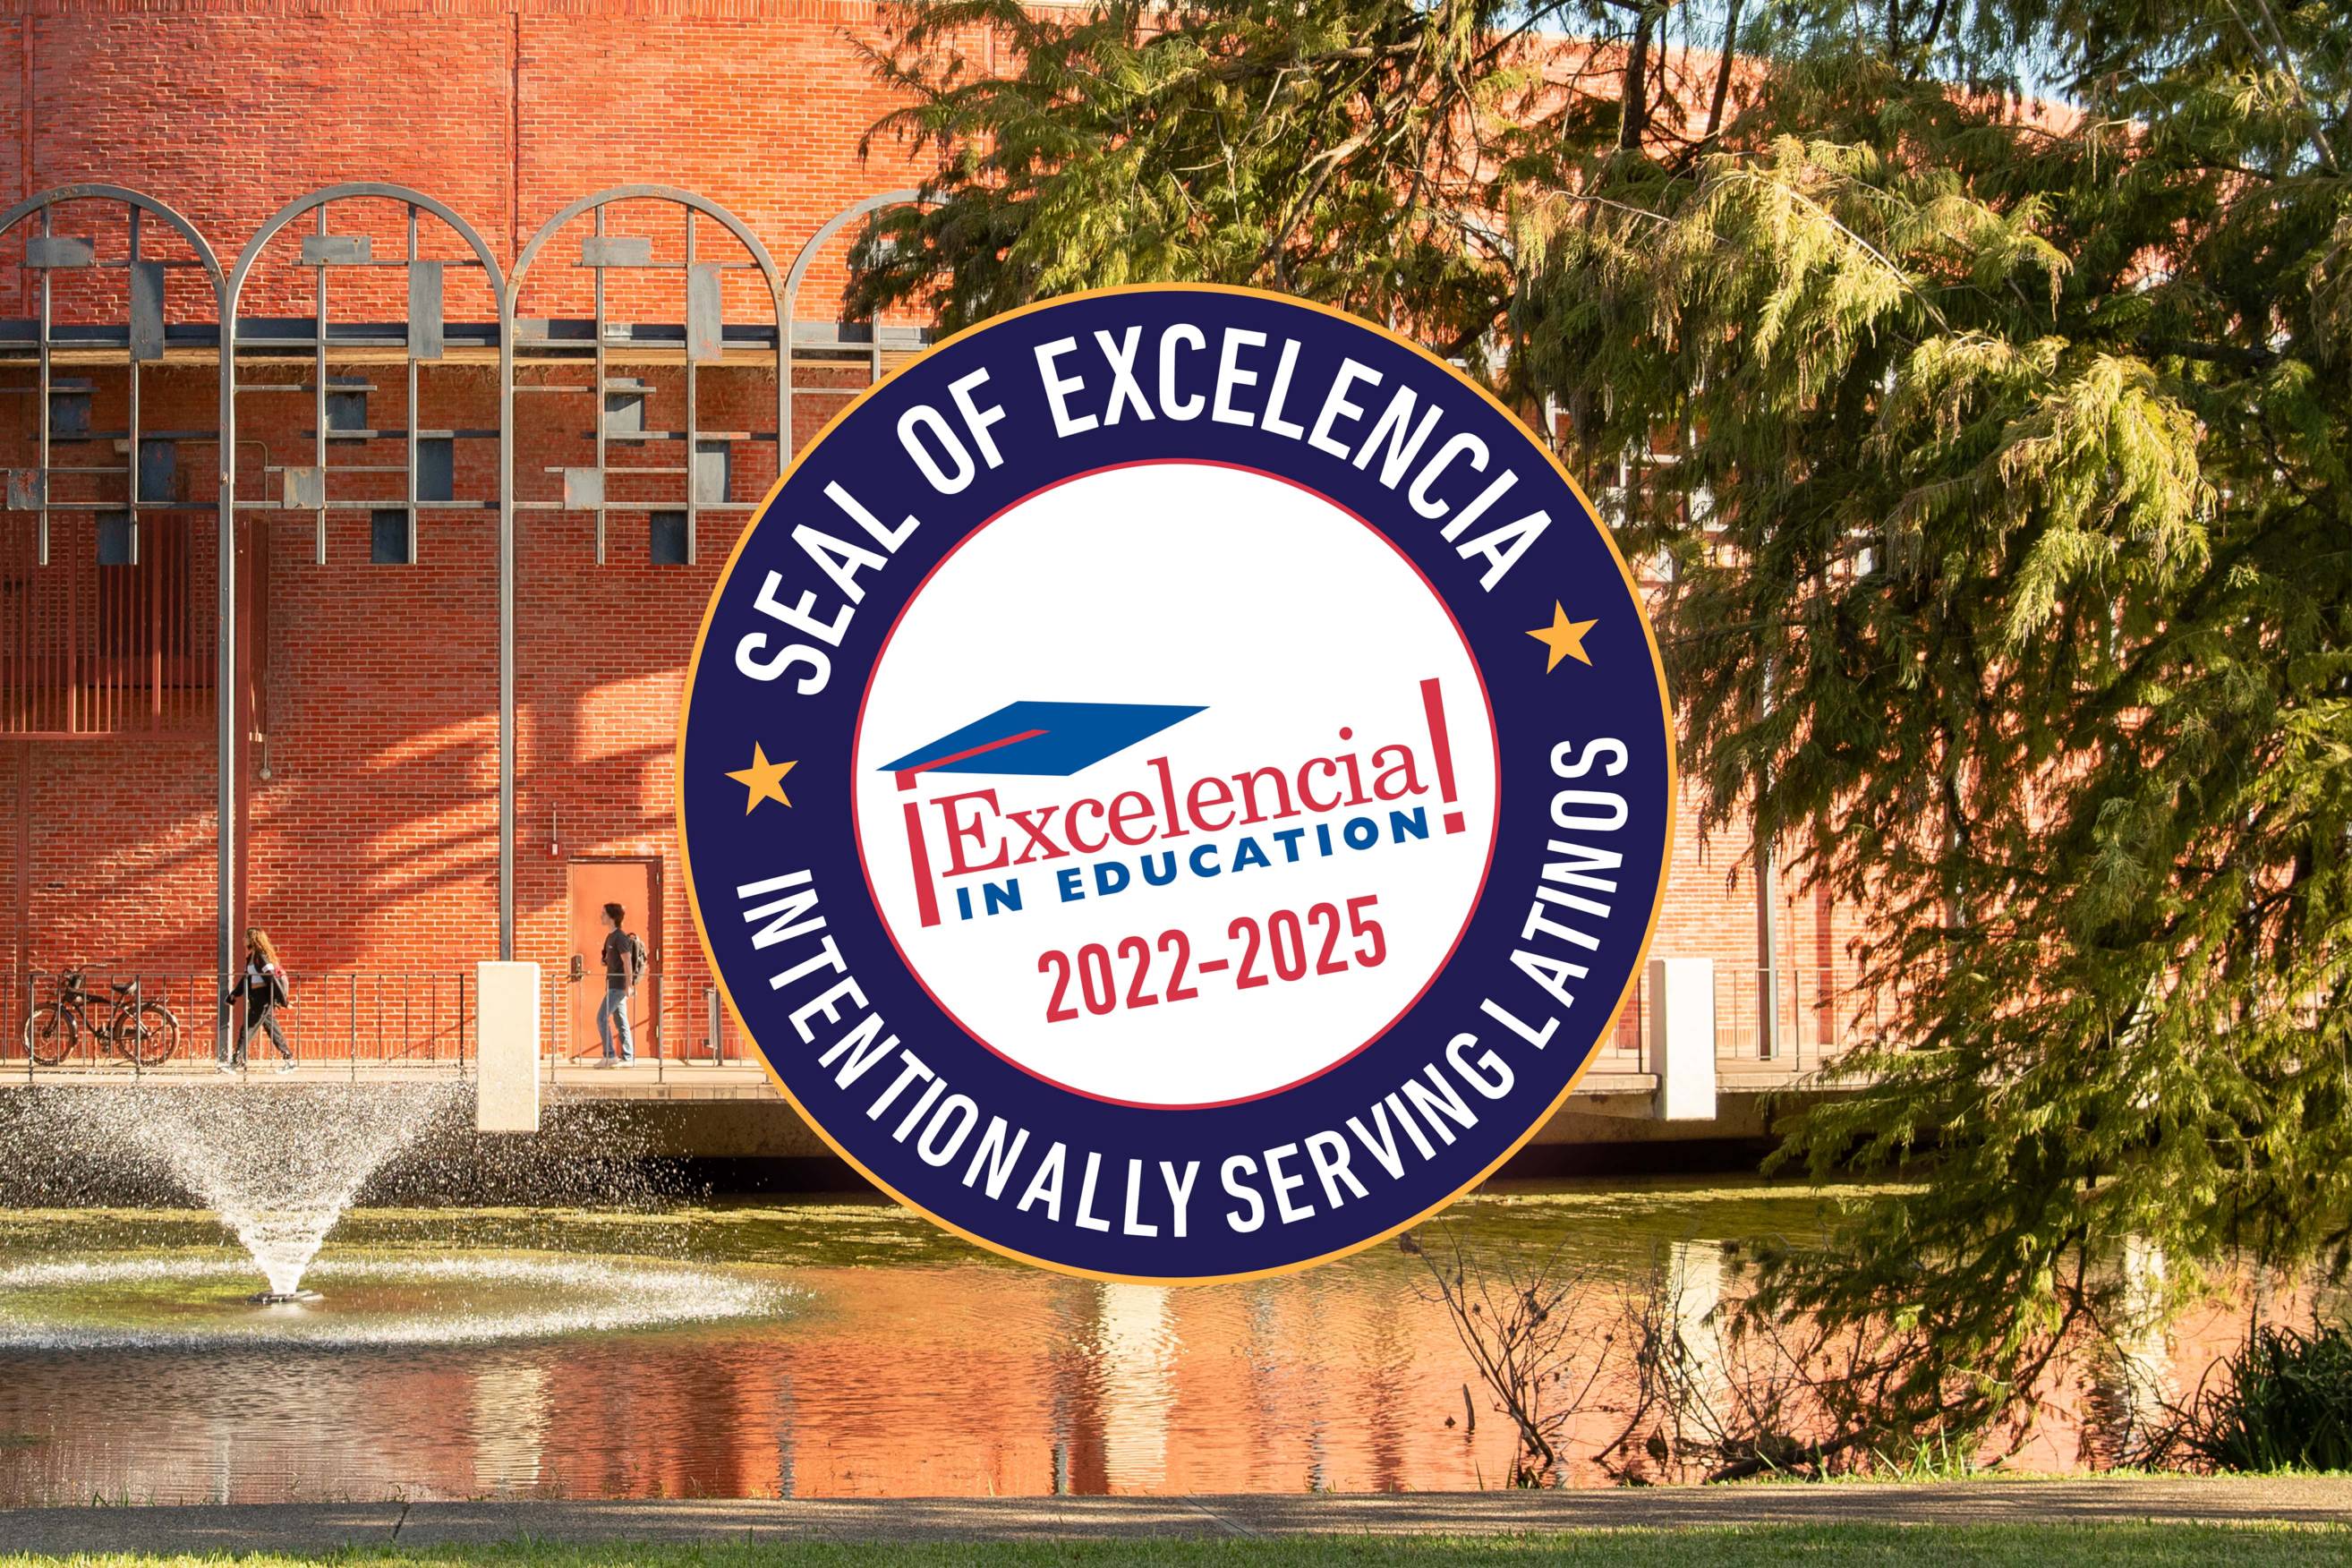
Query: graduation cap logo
{"points": [[1112, 968], [1040, 739]]}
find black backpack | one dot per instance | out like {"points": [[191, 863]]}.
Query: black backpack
{"points": [[639, 959]]}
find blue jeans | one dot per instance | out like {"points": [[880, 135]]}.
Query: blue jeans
{"points": [[614, 1010]]}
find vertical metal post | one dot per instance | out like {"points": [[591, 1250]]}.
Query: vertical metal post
{"points": [[225, 661], [506, 619], [352, 1023], [410, 359], [693, 446], [597, 329], [319, 395], [42, 555], [134, 478], [1767, 954]]}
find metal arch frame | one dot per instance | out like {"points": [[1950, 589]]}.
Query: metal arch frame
{"points": [[416, 200], [789, 307], [596, 203], [506, 290], [138, 201], [225, 498]]}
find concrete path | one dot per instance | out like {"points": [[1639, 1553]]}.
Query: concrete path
{"points": [[315, 1527]]}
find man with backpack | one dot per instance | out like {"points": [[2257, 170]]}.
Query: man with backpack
{"points": [[624, 965]]}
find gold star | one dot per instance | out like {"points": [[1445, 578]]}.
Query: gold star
{"points": [[765, 779], [1563, 638]]}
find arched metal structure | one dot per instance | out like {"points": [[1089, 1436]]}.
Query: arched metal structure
{"points": [[49, 252], [700, 338], [703, 340], [799, 274], [323, 251], [619, 405], [143, 342]]}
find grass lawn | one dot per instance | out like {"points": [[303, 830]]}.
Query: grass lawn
{"points": [[1816, 1546]]}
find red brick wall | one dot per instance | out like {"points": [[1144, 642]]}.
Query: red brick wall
{"points": [[373, 839]]}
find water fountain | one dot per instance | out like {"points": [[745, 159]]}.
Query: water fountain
{"points": [[204, 1306], [278, 1166], [281, 1167]]}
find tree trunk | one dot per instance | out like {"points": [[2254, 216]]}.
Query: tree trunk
{"points": [[1635, 119], [1723, 70]]}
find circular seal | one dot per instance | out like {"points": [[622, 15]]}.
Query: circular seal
{"points": [[1176, 782]]}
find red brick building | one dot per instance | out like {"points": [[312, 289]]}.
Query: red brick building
{"points": [[364, 707]]}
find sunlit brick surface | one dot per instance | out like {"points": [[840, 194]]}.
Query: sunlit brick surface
{"points": [[372, 839]]}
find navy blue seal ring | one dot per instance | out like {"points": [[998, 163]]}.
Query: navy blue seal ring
{"points": [[1176, 783]]}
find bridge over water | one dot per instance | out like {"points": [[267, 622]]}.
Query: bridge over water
{"points": [[699, 1090], [730, 1109]]}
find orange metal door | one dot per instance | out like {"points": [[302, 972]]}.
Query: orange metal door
{"points": [[636, 887]]}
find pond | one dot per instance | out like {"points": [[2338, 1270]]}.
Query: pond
{"points": [[823, 1346]]}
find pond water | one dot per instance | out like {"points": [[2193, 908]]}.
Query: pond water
{"points": [[828, 1346]]}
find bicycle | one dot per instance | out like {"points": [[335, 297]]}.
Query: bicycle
{"points": [[144, 1032]]}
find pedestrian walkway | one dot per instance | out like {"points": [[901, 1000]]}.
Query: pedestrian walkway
{"points": [[320, 1527], [644, 1078]]}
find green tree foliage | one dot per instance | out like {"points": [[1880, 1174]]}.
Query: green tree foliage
{"points": [[1335, 149], [1986, 368], [2014, 598]]}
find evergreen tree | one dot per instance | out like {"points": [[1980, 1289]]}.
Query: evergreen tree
{"points": [[1340, 149], [2013, 599], [1986, 369]]}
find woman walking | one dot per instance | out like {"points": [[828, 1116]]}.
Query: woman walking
{"points": [[263, 985]]}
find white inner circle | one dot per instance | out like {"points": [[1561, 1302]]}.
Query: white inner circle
{"points": [[1285, 620]]}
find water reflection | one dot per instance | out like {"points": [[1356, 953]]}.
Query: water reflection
{"points": [[1696, 1274], [1136, 1349], [907, 1364], [509, 1426], [2131, 1384]]}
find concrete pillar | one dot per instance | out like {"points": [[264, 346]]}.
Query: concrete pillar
{"points": [[1682, 1038], [505, 1081]]}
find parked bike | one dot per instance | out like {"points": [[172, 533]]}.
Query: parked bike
{"points": [[144, 1032]]}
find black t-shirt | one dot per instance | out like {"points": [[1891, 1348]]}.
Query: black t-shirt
{"points": [[616, 958]]}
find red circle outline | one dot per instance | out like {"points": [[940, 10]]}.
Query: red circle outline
{"points": [[858, 835]]}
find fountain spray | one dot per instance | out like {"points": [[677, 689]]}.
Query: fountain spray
{"points": [[277, 1165]]}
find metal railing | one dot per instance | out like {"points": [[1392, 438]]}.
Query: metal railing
{"points": [[1822, 1013], [680, 1023], [368, 1018], [426, 1019], [1625, 1048], [1819, 1013]]}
